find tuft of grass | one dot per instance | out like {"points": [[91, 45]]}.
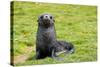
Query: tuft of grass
{"points": [[73, 23]]}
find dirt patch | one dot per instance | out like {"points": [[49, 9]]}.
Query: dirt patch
{"points": [[24, 57]]}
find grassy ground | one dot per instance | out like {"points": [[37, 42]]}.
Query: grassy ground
{"points": [[74, 23]]}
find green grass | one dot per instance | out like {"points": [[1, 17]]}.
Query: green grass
{"points": [[74, 23]]}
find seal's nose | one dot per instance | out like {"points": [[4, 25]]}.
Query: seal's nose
{"points": [[46, 17]]}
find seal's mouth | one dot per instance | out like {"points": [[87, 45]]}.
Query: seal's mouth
{"points": [[46, 23]]}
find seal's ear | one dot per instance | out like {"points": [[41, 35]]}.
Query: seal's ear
{"points": [[37, 20], [54, 20]]}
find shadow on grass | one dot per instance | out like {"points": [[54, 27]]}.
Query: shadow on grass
{"points": [[32, 57]]}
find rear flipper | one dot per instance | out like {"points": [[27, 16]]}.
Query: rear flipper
{"points": [[55, 56], [62, 49], [67, 47]]}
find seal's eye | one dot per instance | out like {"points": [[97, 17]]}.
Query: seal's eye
{"points": [[50, 17], [41, 17]]}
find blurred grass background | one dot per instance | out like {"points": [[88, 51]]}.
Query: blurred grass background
{"points": [[73, 23]]}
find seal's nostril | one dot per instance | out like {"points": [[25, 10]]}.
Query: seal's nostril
{"points": [[46, 16]]}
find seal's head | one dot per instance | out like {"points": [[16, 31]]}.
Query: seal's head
{"points": [[46, 20]]}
